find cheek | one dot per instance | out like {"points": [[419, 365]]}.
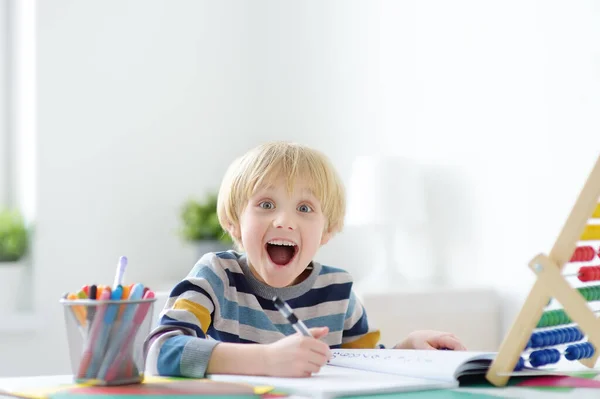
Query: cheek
{"points": [[315, 233], [253, 230]]}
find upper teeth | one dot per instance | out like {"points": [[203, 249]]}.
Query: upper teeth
{"points": [[282, 242]]}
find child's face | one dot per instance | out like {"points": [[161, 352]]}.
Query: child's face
{"points": [[281, 232]]}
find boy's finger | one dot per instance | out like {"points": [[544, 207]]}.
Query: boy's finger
{"points": [[317, 358], [320, 348], [450, 342], [319, 332]]}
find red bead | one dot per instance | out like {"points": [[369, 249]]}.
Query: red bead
{"points": [[583, 254], [589, 273]]}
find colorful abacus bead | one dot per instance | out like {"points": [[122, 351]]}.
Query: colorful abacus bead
{"points": [[579, 351], [543, 357], [589, 273], [590, 293], [520, 364], [553, 318], [555, 337], [583, 254]]}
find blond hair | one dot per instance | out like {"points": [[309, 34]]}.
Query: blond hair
{"points": [[266, 163]]}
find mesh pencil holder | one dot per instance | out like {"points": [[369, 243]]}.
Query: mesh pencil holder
{"points": [[106, 339]]}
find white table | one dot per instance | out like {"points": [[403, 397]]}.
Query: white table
{"points": [[22, 383], [15, 384]]}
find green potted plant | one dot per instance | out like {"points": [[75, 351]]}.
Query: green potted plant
{"points": [[13, 237], [201, 226], [14, 244]]}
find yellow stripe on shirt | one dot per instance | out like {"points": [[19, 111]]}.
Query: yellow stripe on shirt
{"points": [[367, 341], [201, 313]]}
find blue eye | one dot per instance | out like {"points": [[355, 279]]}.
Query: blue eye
{"points": [[266, 205], [305, 208]]}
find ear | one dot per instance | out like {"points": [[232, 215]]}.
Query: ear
{"points": [[234, 231], [326, 237]]}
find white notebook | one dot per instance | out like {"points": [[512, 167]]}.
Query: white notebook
{"points": [[448, 366], [334, 381], [464, 367]]}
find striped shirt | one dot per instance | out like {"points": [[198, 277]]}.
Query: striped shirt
{"points": [[222, 301]]}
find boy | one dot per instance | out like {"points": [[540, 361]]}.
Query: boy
{"points": [[279, 202]]}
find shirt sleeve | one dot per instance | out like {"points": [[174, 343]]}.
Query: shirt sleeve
{"points": [[357, 332], [179, 346]]}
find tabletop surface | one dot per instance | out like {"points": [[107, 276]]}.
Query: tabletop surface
{"points": [[39, 382]]}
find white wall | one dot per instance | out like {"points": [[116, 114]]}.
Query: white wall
{"points": [[505, 94], [142, 104]]}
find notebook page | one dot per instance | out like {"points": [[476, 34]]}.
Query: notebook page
{"points": [[339, 381], [431, 364]]}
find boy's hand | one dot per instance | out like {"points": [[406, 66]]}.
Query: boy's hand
{"points": [[296, 355], [429, 339]]}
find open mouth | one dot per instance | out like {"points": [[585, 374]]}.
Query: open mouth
{"points": [[281, 252]]}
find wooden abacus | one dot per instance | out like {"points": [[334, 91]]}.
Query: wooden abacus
{"points": [[551, 283]]}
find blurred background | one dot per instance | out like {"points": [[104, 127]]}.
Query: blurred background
{"points": [[473, 122]]}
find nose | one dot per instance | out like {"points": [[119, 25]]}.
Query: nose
{"points": [[284, 221]]}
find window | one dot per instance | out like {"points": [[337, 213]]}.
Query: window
{"points": [[4, 101], [17, 105]]}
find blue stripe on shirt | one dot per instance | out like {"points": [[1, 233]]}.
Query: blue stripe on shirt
{"points": [[252, 317], [169, 321], [227, 337], [333, 321], [239, 281], [231, 278], [330, 269], [359, 328], [351, 305], [226, 255], [186, 286], [170, 355], [317, 296]]}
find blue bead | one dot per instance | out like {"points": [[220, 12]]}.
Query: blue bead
{"points": [[545, 338], [537, 341], [590, 350], [569, 354], [584, 351], [572, 352], [520, 364], [564, 336], [536, 358], [570, 335], [544, 356]]}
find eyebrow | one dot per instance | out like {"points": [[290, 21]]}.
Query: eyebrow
{"points": [[308, 191], [271, 187]]}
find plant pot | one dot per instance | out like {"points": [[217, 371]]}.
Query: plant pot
{"points": [[12, 278], [206, 246]]}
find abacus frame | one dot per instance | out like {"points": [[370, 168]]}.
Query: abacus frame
{"points": [[551, 283]]}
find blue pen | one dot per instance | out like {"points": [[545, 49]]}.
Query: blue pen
{"points": [[107, 322], [118, 336], [289, 315]]}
